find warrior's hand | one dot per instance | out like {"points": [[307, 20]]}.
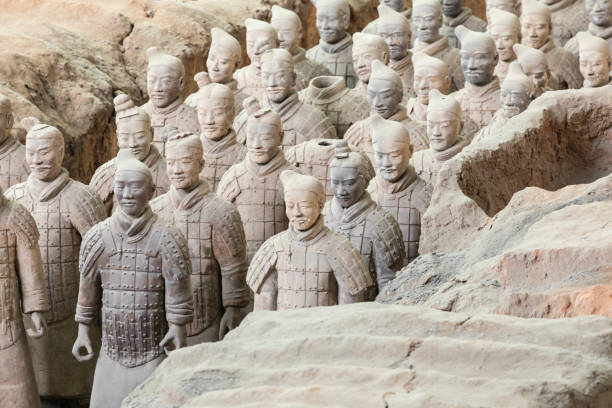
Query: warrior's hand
{"points": [[230, 320], [83, 341], [176, 338], [40, 325]]}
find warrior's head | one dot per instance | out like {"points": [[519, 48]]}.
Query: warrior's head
{"points": [[535, 65], [429, 73], [277, 74], [215, 107], [478, 56], [223, 56], [133, 127], [517, 91], [595, 61], [349, 175], [385, 90], [288, 29], [304, 199], [395, 29], [427, 20], [443, 121], [133, 185], [392, 148], [165, 78], [183, 159], [264, 134], [333, 18], [44, 149]]}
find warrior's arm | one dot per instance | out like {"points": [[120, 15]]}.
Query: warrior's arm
{"points": [[176, 268], [266, 298], [34, 295]]}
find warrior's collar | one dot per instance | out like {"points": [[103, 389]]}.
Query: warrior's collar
{"points": [[133, 227], [353, 214], [182, 201], [399, 185], [341, 45], [262, 170], [46, 190], [310, 234]]}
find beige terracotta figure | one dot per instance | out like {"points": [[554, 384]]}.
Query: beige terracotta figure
{"points": [[595, 60], [535, 65], [64, 210], [443, 127], [568, 18], [384, 96], [456, 14], [260, 37], [480, 98], [343, 106], [426, 24], [313, 158], [13, 166], [396, 188], [511, 6], [517, 92], [135, 276], [253, 185], [300, 122], [353, 214], [221, 150], [535, 33], [223, 59], [307, 265], [600, 16], [400, 7], [367, 48], [334, 50], [215, 236], [134, 133], [505, 29], [22, 290], [165, 82], [395, 29], [288, 27]]}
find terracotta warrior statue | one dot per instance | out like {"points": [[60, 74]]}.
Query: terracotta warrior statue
{"points": [[535, 33], [165, 81], [480, 98], [23, 295], [568, 18], [384, 96], [429, 73], [535, 65], [398, 6], [396, 187], [306, 265], [223, 59], [221, 150], [505, 29], [253, 185], [135, 274], [595, 61], [343, 106], [334, 50], [395, 29], [353, 214], [217, 246], [260, 37], [367, 48], [600, 15], [13, 166], [511, 6], [313, 158], [64, 210], [456, 14], [443, 128], [426, 23], [300, 122], [133, 132], [289, 30], [517, 92]]}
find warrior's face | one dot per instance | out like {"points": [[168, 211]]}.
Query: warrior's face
{"points": [[302, 208], [452, 8], [535, 30], [363, 55], [397, 38], [347, 185], [289, 34], [183, 165], [332, 24], [221, 64], [397, 5], [258, 43], [426, 23], [44, 157], [539, 74], [164, 85], [133, 191], [215, 116], [383, 98], [135, 135], [478, 61], [278, 79], [442, 129], [392, 158], [600, 12], [427, 78], [504, 37], [515, 99], [262, 142], [595, 68]]}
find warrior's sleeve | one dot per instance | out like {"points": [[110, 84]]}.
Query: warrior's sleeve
{"points": [[176, 269], [422, 196], [102, 183], [86, 208], [261, 276], [90, 286], [239, 126], [351, 272], [229, 248], [389, 251], [228, 187], [34, 295]]}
